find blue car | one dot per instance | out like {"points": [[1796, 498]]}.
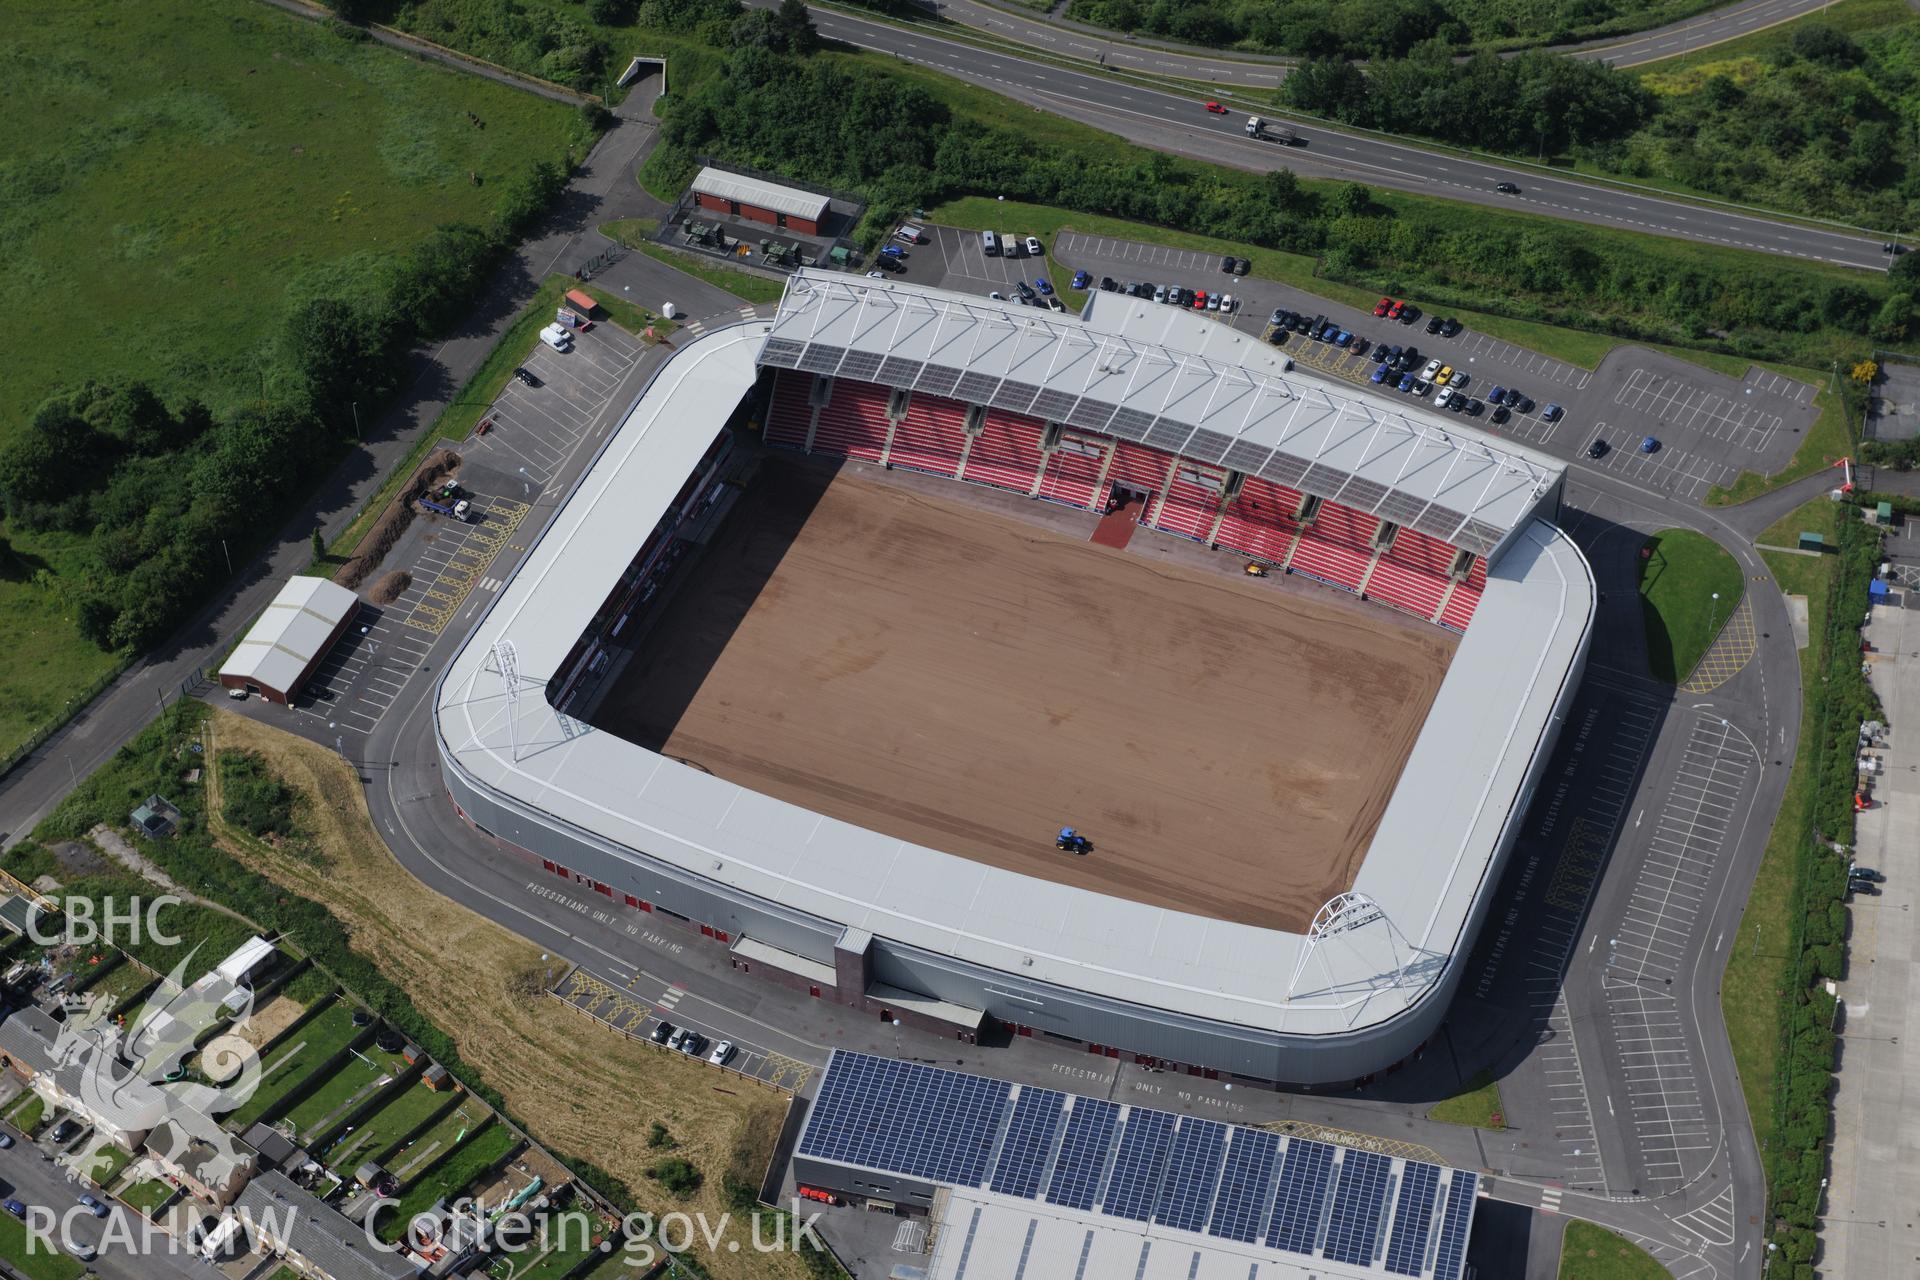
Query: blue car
{"points": [[892, 251], [1551, 413], [1327, 333], [1041, 283], [1080, 279], [1497, 394], [1379, 375], [1406, 381], [1342, 338], [1649, 445]]}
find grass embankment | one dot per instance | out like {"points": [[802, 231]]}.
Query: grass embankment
{"points": [[1479, 1106], [561, 1075], [634, 233], [1595, 1253], [1689, 586], [350, 152], [475, 399]]}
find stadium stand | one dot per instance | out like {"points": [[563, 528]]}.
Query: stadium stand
{"points": [[1191, 502], [854, 422], [1006, 453], [1412, 574], [931, 437], [1466, 595], [791, 416], [1073, 471], [1139, 467], [1337, 546], [1259, 521]]}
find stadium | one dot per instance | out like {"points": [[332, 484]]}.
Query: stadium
{"points": [[860, 605]]}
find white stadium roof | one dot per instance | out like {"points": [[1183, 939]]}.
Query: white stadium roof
{"points": [[791, 201], [1175, 380], [1429, 857], [291, 633]]}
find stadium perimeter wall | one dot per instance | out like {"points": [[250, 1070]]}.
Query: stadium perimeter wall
{"points": [[552, 845]]}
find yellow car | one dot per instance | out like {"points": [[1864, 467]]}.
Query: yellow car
{"points": [[1444, 376]]}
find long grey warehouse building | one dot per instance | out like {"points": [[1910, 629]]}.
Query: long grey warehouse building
{"points": [[902, 930]]}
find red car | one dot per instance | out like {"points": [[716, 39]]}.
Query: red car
{"points": [[1395, 311], [1216, 108], [1200, 300], [1383, 306]]}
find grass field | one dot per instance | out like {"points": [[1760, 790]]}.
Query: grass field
{"points": [[1595, 1253], [403, 1111], [561, 1076], [38, 1265], [173, 171], [432, 1144], [448, 1176], [357, 1075], [1688, 588], [28, 1112], [634, 233], [285, 1065], [556, 1262], [1479, 1106], [1749, 991], [147, 1196]]}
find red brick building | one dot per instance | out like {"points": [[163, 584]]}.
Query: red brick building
{"points": [[789, 208]]}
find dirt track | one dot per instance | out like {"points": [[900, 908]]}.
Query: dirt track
{"points": [[944, 674]]}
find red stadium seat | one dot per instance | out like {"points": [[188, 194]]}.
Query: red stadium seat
{"points": [[931, 436], [1073, 471], [1465, 597], [1191, 502], [853, 423], [1006, 453], [1259, 521], [791, 416]]}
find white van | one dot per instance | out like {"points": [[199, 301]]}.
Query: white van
{"points": [[989, 244], [557, 336], [1010, 245], [910, 234]]}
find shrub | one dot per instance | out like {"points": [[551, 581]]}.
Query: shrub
{"points": [[252, 798], [677, 1175]]}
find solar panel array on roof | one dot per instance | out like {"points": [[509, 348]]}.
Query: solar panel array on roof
{"points": [[1083, 1153], [906, 1118], [1036, 1117], [1354, 1225], [1135, 1163]]}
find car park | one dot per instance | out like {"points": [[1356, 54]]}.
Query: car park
{"points": [[1649, 445], [1598, 449], [1080, 279], [1449, 327], [1500, 413], [526, 377], [1507, 188], [721, 1052], [1216, 109], [663, 1032], [1552, 413]]}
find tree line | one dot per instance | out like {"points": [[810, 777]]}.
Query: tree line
{"points": [[169, 496]]}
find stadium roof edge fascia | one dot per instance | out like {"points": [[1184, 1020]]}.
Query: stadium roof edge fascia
{"points": [[1176, 381], [1429, 866]]}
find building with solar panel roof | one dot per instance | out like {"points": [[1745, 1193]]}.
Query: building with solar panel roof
{"points": [[1035, 1182], [1383, 500]]}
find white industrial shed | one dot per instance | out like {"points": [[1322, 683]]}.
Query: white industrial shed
{"points": [[290, 638]]}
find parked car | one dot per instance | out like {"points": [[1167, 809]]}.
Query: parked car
{"points": [[694, 1045], [1383, 306], [1444, 399], [1160, 293], [1053, 300], [721, 1052], [1433, 324], [1033, 247], [64, 1132], [6, 1140], [678, 1038], [1449, 327], [1858, 872], [1360, 346], [888, 264], [1379, 375], [526, 377], [1227, 305], [1551, 413], [1213, 302], [1022, 288], [1443, 377], [1407, 382], [1460, 378], [893, 251], [1475, 408], [1497, 394], [1342, 339], [1080, 279], [663, 1032], [1409, 314], [1598, 449], [1500, 413], [1649, 445], [1107, 285], [1278, 318], [1242, 265], [1525, 405], [997, 296], [1397, 310], [1512, 397], [1043, 284], [1421, 386], [15, 1208], [93, 1206], [1226, 265], [1432, 367]]}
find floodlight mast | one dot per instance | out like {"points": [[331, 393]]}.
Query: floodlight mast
{"points": [[1348, 913], [507, 660]]}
